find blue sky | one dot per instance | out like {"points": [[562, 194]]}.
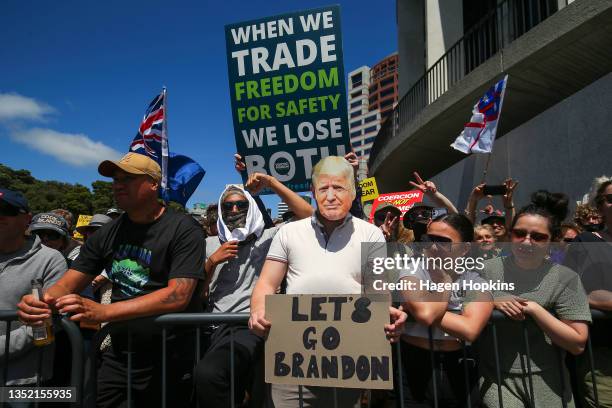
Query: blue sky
{"points": [[75, 78]]}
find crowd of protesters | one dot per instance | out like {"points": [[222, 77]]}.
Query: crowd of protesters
{"points": [[146, 260]]}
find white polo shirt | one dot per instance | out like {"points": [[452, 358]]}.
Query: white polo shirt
{"points": [[318, 264]]}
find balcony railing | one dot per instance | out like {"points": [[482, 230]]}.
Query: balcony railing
{"points": [[509, 20]]}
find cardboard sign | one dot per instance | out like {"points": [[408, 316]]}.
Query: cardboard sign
{"points": [[288, 93], [82, 220], [369, 190], [328, 340], [403, 200]]}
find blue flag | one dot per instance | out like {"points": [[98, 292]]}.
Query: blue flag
{"points": [[184, 176]]}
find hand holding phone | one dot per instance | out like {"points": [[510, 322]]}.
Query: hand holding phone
{"points": [[494, 190]]}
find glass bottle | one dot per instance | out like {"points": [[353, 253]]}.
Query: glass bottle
{"points": [[42, 335]]}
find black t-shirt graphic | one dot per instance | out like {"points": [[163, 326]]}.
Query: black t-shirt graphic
{"points": [[141, 258]]}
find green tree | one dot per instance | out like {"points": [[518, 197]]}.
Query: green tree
{"points": [[102, 198], [44, 196]]}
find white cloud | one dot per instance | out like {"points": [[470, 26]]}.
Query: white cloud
{"points": [[14, 106], [74, 149]]}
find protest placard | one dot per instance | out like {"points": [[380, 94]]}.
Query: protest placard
{"points": [[369, 190], [81, 221], [403, 200], [328, 340], [288, 93]]}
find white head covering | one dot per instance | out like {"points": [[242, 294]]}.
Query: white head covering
{"points": [[254, 221]]}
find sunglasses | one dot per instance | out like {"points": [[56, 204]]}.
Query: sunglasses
{"points": [[534, 236], [443, 243], [8, 211], [229, 205], [48, 235]]}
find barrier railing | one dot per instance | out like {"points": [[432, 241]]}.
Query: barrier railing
{"points": [[197, 321], [76, 346]]}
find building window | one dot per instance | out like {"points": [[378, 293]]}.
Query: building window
{"points": [[355, 104], [366, 152], [355, 114], [355, 124], [386, 82], [373, 88], [386, 92], [356, 133], [370, 119], [386, 103], [356, 143], [373, 99], [357, 77], [356, 94], [369, 140], [370, 129]]}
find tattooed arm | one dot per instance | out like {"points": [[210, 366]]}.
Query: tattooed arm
{"points": [[173, 298]]}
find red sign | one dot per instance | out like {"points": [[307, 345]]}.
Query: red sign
{"points": [[404, 201]]}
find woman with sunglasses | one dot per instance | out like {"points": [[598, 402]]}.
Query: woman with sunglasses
{"points": [[590, 255], [545, 303], [454, 316]]}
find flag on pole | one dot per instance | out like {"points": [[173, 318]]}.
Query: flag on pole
{"points": [[152, 137], [479, 133], [184, 176]]}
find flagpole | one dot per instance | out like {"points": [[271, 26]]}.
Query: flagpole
{"points": [[164, 182], [501, 104]]}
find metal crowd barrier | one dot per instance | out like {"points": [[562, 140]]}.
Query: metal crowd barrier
{"points": [[198, 320], [76, 347]]}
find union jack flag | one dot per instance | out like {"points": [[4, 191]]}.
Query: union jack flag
{"points": [[479, 133], [152, 139]]}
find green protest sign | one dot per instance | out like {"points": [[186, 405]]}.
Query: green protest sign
{"points": [[288, 92]]}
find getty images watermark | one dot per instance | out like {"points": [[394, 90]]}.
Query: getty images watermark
{"points": [[411, 265], [412, 270]]}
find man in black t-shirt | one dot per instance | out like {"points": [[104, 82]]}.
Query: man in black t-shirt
{"points": [[155, 258]]}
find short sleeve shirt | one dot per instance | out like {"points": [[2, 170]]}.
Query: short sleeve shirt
{"points": [[459, 298], [233, 281], [141, 258], [552, 286], [318, 264]]}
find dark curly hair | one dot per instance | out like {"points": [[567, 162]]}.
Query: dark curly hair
{"points": [[552, 206], [599, 195]]}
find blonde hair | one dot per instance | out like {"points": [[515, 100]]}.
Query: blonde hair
{"points": [[484, 227], [596, 185], [335, 166]]}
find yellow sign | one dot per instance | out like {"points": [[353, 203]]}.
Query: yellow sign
{"points": [[369, 191], [83, 220]]}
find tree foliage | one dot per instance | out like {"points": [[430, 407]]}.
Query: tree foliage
{"points": [[47, 195]]}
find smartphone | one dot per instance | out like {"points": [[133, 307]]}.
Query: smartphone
{"points": [[494, 190]]}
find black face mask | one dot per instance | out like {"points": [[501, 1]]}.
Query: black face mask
{"points": [[235, 220], [593, 227], [419, 229]]}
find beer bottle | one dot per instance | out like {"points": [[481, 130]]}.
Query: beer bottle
{"points": [[42, 335]]}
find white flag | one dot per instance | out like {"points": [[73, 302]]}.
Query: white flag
{"points": [[479, 134]]}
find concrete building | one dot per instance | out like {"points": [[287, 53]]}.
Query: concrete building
{"points": [[555, 127], [363, 123], [384, 86], [281, 208], [372, 95]]}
